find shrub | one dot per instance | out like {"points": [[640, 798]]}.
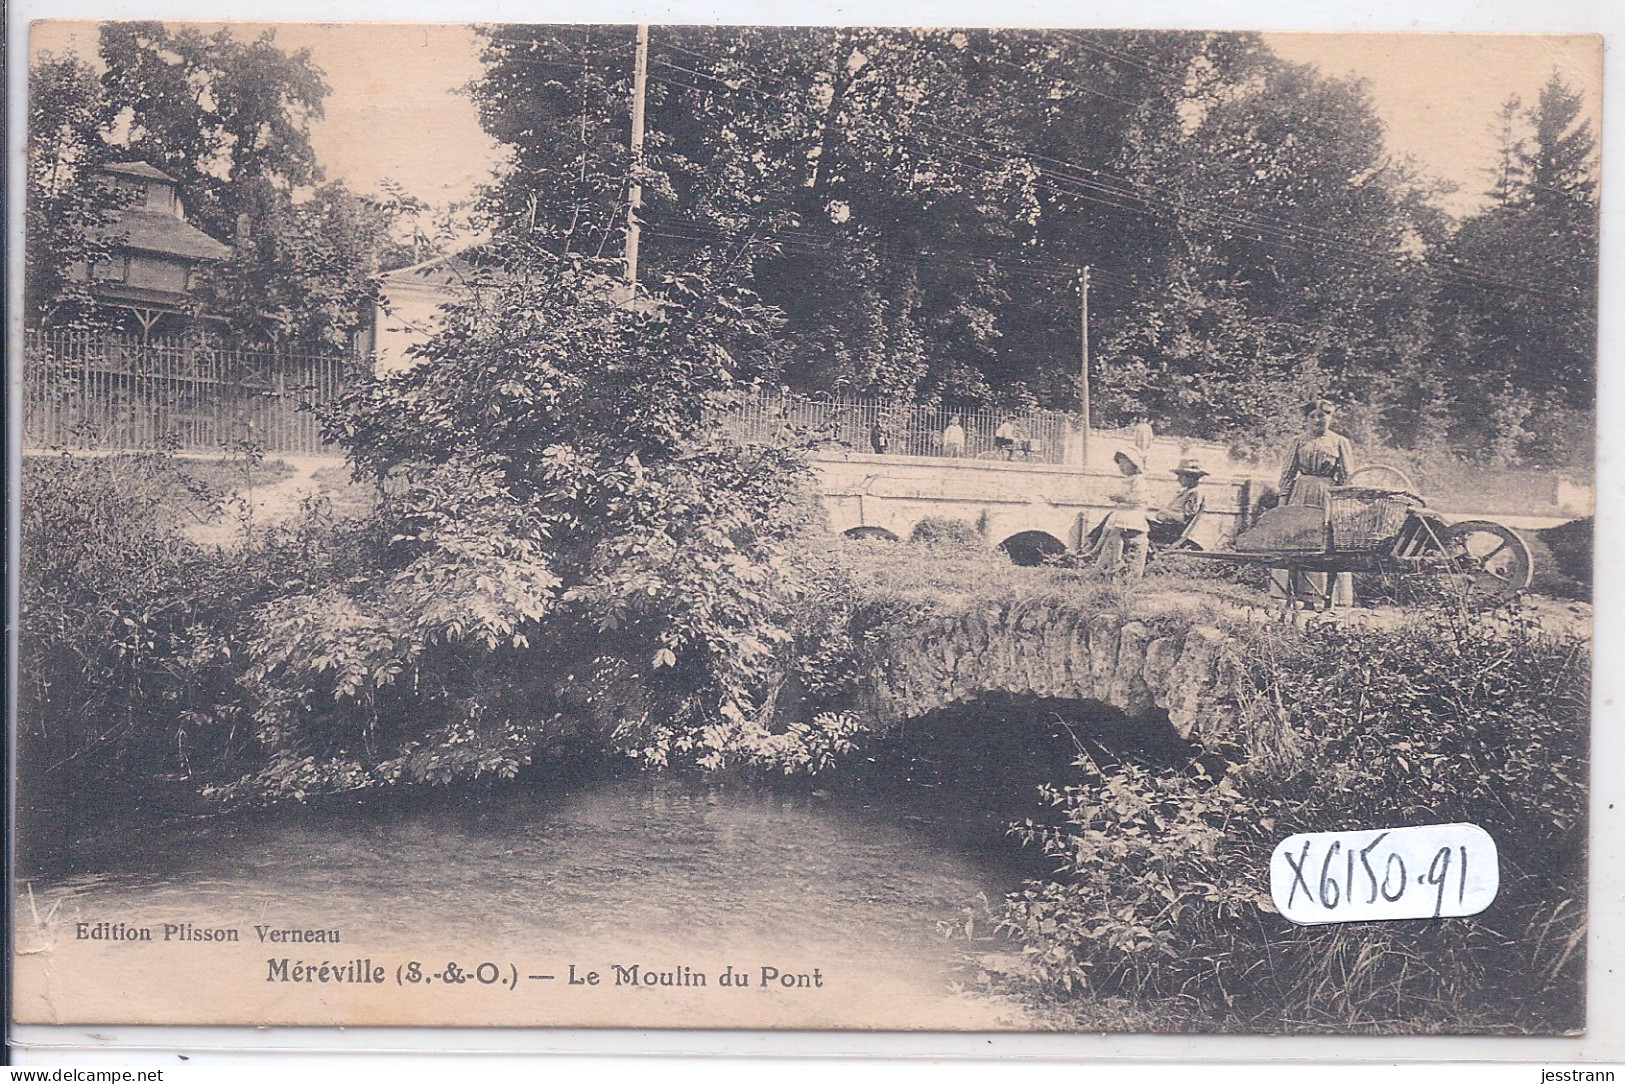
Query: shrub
{"points": [[132, 638], [574, 546], [1162, 884], [947, 533], [1569, 546]]}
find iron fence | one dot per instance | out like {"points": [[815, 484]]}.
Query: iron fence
{"points": [[109, 392]]}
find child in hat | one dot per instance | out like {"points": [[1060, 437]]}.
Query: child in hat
{"points": [[1124, 539]]}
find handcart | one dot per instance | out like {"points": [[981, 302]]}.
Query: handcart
{"points": [[1384, 527]]}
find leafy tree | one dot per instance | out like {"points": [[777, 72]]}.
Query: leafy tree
{"points": [[229, 119], [1520, 341], [931, 195], [306, 275], [575, 547], [1291, 271], [69, 209]]}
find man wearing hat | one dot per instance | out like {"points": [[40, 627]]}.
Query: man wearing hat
{"points": [[1169, 525]]}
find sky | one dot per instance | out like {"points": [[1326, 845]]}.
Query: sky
{"points": [[397, 111], [1438, 94]]}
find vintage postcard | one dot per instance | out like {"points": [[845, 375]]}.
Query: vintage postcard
{"points": [[1071, 530]]}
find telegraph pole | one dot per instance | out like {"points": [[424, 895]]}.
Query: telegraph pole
{"points": [[634, 194], [1083, 290]]}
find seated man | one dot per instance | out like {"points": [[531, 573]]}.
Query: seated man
{"points": [[1170, 525], [1004, 439]]}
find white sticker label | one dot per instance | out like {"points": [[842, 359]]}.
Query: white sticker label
{"points": [[1432, 871]]}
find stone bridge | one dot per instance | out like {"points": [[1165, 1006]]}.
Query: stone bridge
{"points": [[1029, 509], [1151, 668]]}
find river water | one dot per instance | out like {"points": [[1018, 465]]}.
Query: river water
{"points": [[847, 892]]}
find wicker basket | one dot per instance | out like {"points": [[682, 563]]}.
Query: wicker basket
{"points": [[1365, 519]]}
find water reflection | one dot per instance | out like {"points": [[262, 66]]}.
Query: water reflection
{"points": [[858, 873]]}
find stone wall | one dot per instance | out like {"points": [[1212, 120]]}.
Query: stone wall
{"points": [[1049, 649], [894, 493]]}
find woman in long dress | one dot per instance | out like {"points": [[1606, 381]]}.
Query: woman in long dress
{"points": [[1319, 460]]}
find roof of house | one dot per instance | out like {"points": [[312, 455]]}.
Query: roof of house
{"points": [[437, 273], [138, 169], [156, 231]]}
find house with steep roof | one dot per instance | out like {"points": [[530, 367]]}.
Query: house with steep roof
{"points": [[407, 309], [152, 275]]}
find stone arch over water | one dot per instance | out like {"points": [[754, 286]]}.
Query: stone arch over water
{"points": [[1031, 548], [1150, 668]]}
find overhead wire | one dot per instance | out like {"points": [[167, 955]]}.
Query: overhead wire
{"points": [[1097, 187], [1282, 232]]}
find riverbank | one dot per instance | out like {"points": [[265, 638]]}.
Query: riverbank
{"points": [[1151, 742]]}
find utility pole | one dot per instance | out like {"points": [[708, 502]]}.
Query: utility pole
{"points": [[1083, 289], [634, 193]]}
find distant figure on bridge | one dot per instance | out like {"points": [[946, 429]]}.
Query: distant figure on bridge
{"points": [[1124, 530], [1170, 525], [1141, 434], [879, 439], [953, 438], [1004, 438]]}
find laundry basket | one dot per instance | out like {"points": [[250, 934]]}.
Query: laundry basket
{"points": [[1365, 519]]}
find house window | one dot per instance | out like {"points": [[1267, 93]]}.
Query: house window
{"points": [[115, 268], [160, 197]]}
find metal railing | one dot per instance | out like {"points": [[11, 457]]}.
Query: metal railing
{"points": [[110, 392], [1040, 436]]}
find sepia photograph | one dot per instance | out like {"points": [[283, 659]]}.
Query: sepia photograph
{"points": [[833, 528]]}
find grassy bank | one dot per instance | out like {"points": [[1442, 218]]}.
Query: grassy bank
{"points": [[1162, 891], [138, 689], [1158, 915]]}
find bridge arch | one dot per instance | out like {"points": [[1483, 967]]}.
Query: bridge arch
{"points": [[998, 737], [871, 532], [1032, 547], [1154, 672]]}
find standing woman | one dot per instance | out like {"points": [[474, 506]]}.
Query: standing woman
{"points": [[1319, 460]]}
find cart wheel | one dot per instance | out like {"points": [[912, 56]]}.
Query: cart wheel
{"points": [[1390, 477], [1493, 562]]}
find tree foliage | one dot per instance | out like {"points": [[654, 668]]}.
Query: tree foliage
{"points": [[574, 547], [1519, 349], [229, 119], [932, 194], [70, 211]]}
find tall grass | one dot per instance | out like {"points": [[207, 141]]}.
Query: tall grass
{"points": [[1162, 884]]}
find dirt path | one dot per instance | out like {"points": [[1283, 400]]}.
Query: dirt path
{"points": [[267, 505]]}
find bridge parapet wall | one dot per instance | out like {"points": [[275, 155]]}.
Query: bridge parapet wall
{"points": [[1050, 649], [894, 493]]}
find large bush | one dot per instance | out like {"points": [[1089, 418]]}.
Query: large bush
{"points": [[1162, 890], [131, 636], [576, 550]]}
